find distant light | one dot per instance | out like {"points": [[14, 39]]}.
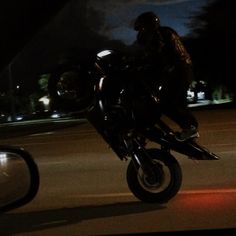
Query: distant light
{"points": [[55, 115], [3, 158], [190, 94], [201, 95], [104, 53], [45, 100], [18, 118]]}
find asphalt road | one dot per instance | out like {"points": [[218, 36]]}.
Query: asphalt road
{"points": [[83, 188]]}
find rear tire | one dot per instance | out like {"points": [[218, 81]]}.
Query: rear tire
{"points": [[167, 182]]}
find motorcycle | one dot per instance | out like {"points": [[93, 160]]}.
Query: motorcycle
{"points": [[127, 118]]}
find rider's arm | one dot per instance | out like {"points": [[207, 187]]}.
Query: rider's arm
{"points": [[177, 47]]}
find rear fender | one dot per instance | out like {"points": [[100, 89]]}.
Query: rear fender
{"points": [[189, 148], [202, 153]]}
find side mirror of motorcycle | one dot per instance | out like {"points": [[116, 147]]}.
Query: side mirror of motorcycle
{"points": [[19, 177]]}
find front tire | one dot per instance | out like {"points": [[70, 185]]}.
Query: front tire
{"points": [[70, 89], [165, 185]]}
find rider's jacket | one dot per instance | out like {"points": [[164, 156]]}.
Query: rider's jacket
{"points": [[165, 49], [165, 54], [173, 42]]}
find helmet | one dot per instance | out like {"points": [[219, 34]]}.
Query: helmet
{"points": [[147, 20]]}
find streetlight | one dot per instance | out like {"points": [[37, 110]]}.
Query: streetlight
{"points": [[11, 87]]}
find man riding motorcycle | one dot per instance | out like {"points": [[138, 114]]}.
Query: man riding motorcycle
{"points": [[124, 110], [170, 64]]}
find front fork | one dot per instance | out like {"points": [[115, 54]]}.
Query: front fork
{"points": [[140, 157]]}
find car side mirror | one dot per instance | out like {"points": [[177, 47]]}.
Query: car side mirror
{"points": [[19, 177]]}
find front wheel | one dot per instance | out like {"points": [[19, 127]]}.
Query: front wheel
{"points": [[70, 89], [162, 185]]}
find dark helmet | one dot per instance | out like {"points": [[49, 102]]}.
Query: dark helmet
{"points": [[147, 20]]}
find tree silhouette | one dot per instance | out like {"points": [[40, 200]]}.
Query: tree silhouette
{"points": [[213, 38]]}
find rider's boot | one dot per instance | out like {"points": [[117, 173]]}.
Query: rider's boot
{"points": [[187, 134]]}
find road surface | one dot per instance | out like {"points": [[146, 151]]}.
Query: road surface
{"points": [[83, 188]]}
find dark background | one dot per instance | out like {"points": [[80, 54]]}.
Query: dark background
{"points": [[36, 36]]}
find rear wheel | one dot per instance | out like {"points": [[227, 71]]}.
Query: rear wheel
{"points": [[160, 186]]}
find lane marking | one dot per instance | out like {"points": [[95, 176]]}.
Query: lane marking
{"points": [[203, 191], [41, 134], [128, 194]]}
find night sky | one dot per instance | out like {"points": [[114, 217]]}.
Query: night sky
{"points": [[119, 15]]}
